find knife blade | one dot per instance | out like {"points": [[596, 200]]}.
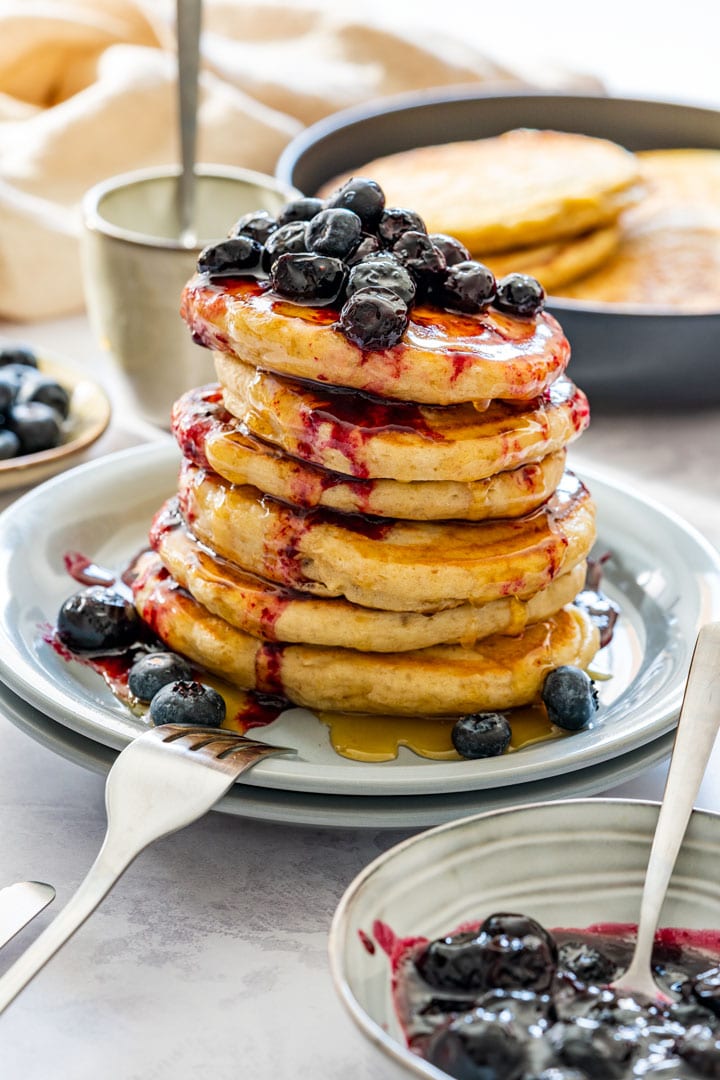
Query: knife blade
{"points": [[19, 904]]}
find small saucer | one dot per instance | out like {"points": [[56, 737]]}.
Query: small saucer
{"points": [[88, 418]]}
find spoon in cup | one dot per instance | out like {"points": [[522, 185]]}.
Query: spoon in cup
{"points": [[697, 727], [189, 17]]}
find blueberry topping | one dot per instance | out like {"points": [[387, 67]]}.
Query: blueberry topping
{"points": [[300, 210], [476, 1047], [187, 702], [97, 619], [47, 391], [289, 239], [451, 248], [586, 963], [8, 389], [382, 273], [468, 287], [519, 294], [396, 221], [417, 253], [155, 670], [364, 197], [481, 735], [258, 225], [369, 245], [9, 445], [308, 277], [18, 354], [240, 255], [334, 232], [570, 698], [374, 318], [37, 426]]}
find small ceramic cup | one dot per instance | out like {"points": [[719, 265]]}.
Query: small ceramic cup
{"points": [[134, 269]]}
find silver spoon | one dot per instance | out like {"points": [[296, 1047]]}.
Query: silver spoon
{"points": [[697, 727], [189, 18]]}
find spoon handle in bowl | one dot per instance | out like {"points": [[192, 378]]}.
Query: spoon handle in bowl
{"points": [[697, 727]]}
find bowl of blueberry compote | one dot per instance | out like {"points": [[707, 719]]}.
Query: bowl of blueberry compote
{"points": [[485, 949]]}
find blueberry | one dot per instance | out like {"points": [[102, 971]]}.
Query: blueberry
{"points": [[18, 354], [37, 426], [364, 197], [289, 239], [300, 210], [187, 702], [570, 698], [599, 1052], [561, 1073], [451, 248], [47, 391], [481, 735], [705, 988], [417, 253], [522, 1007], [586, 963], [382, 274], [239, 255], [519, 294], [508, 952], [516, 952], [474, 1047], [8, 389], [467, 286], [369, 245], [374, 318], [334, 232], [396, 221], [9, 445], [700, 1047], [155, 670], [258, 225], [14, 375], [308, 278], [97, 619]]}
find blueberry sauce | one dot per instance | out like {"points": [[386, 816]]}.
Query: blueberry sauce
{"points": [[477, 1003], [85, 571]]}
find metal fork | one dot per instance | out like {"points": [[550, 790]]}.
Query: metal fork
{"points": [[163, 780]]}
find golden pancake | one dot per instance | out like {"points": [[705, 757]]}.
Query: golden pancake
{"points": [[371, 439], [442, 359], [559, 262], [210, 437], [521, 188], [669, 256], [395, 566], [273, 613], [499, 672]]}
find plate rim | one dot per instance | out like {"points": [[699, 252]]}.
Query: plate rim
{"points": [[20, 673]]}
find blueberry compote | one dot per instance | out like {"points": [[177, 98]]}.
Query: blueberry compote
{"points": [[508, 1000]]}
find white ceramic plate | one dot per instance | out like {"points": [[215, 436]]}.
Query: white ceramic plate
{"points": [[666, 577], [352, 811], [565, 864], [89, 416]]}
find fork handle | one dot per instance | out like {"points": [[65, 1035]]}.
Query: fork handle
{"points": [[98, 882]]}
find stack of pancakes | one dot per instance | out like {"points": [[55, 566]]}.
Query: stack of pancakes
{"points": [[374, 531], [545, 203]]}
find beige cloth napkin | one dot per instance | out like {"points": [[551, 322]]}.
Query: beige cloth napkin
{"points": [[87, 90]]}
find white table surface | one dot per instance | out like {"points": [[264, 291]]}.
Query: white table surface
{"points": [[209, 958]]}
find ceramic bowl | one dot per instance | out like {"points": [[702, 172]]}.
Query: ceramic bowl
{"points": [[623, 356], [570, 863], [135, 267], [88, 418]]}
